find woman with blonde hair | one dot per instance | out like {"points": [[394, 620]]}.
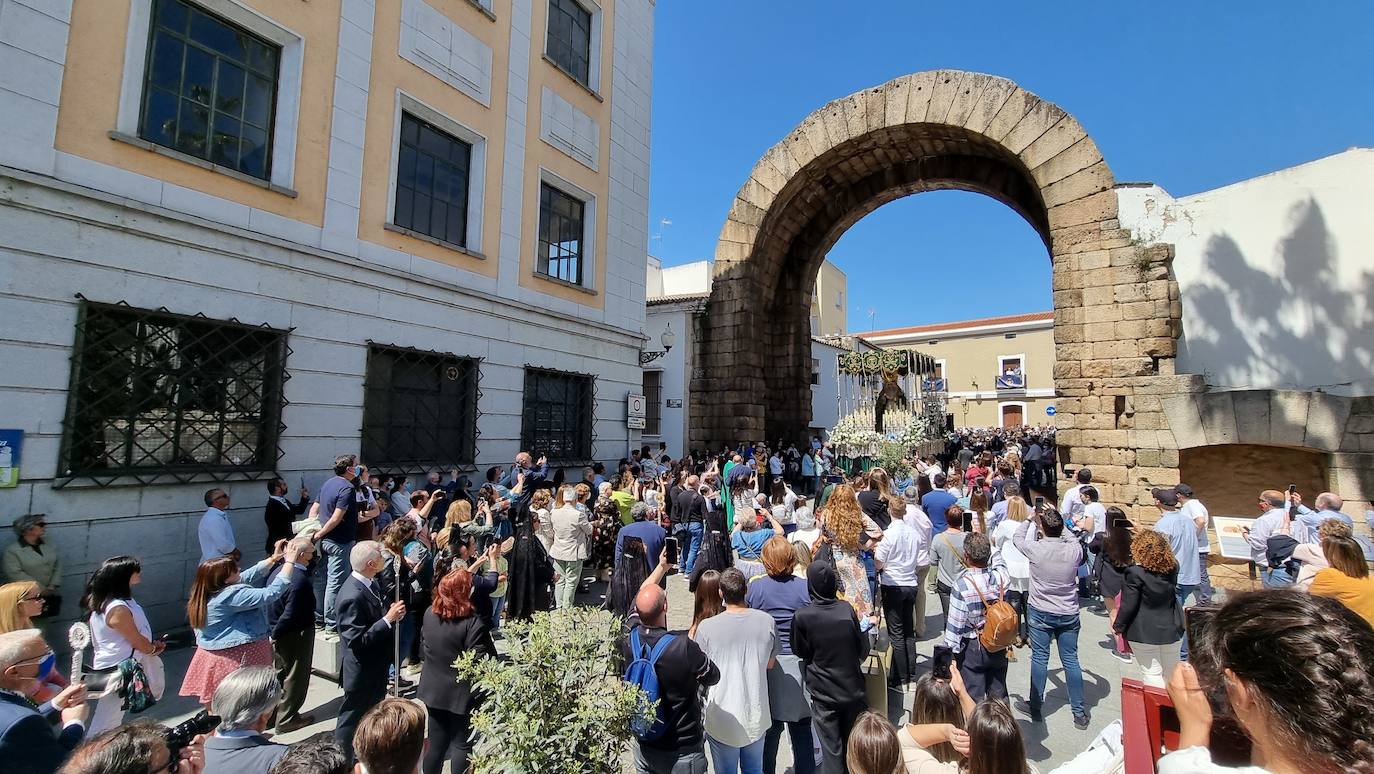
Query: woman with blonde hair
{"points": [[849, 531], [20, 603], [539, 509], [1018, 566]]}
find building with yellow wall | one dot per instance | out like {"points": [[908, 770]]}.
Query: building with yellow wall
{"points": [[995, 372], [830, 301], [240, 237]]}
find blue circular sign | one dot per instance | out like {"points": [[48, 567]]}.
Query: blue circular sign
{"points": [[1050, 410]]}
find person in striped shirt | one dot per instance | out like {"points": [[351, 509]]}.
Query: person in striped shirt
{"points": [[984, 579]]}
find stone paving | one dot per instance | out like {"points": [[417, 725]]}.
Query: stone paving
{"points": [[1048, 744]]}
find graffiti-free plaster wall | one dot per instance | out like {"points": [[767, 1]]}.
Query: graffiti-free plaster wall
{"points": [[1276, 274]]}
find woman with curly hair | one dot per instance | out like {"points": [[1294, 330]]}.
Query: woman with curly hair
{"points": [[1149, 616], [849, 531], [1295, 670]]}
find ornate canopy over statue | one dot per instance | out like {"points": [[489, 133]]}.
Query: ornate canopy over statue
{"points": [[882, 400]]}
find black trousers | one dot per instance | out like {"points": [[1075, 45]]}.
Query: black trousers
{"points": [[356, 703], [293, 654], [984, 673], [833, 725], [450, 737], [899, 608], [803, 759]]}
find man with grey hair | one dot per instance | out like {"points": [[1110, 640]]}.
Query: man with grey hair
{"points": [[245, 700], [28, 742], [215, 532], [366, 634], [1329, 505]]}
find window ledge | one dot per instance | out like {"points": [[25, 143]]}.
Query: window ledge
{"points": [[139, 142], [433, 240], [487, 12], [565, 283], [560, 68]]}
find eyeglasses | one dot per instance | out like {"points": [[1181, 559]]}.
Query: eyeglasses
{"points": [[35, 598], [39, 658], [39, 524]]}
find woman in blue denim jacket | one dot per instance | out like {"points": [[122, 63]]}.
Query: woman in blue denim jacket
{"points": [[228, 611]]}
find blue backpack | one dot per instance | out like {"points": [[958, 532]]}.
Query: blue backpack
{"points": [[641, 673]]}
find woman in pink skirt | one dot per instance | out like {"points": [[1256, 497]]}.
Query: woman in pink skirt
{"points": [[228, 611]]}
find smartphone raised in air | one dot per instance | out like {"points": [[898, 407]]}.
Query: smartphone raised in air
{"points": [[940, 662], [671, 545], [1039, 503]]}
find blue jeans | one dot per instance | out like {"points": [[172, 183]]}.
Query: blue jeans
{"points": [[337, 571], [1277, 578], [497, 605], [1063, 630], [737, 760], [1182, 593], [695, 532]]}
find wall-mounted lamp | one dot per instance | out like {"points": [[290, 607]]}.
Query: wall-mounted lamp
{"points": [[668, 339]]}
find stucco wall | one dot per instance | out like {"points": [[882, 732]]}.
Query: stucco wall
{"points": [[1276, 275]]}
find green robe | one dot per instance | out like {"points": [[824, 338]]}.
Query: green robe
{"points": [[726, 498]]}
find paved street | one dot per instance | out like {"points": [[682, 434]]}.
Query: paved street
{"points": [[1048, 744]]}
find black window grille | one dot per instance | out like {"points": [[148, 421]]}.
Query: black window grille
{"points": [[210, 88], [653, 403], [560, 234], [160, 396], [570, 38], [432, 182], [559, 408], [419, 409]]}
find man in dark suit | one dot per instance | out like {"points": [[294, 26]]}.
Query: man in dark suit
{"points": [[280, 512], [28, 742], [365, 629], [292, 618]]}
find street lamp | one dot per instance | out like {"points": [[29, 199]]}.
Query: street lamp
{"points": [[668, 339]]}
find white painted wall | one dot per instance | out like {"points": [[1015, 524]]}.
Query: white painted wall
{"points": [[1276, 274], [676, 373], [825, 406]]}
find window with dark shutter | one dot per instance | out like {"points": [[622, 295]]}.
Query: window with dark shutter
{"points": [[419, 409], [559, 408]]}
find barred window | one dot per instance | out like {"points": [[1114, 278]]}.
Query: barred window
{"points": [[155, 394], [432, 182], [210, 88], [560, 234], [653, 403], [419, 409], [558, 411], [570, 38]]}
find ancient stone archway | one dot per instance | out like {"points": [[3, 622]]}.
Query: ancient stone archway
{"points": [[1115, 303]]}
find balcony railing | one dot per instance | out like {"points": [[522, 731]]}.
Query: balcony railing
{"points": [[933, 384], [1012, 380]]}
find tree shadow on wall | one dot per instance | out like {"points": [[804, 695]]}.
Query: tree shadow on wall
{"points": [[1300, 328]]}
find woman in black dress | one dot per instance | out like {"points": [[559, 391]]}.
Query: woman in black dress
{"points": [[530, 588], [714, 553], [1113, 549], [451, 627]]}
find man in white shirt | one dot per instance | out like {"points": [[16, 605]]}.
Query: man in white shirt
{"points": [[1071, 507], [1195, 510], [901, 573], [215, 532]]}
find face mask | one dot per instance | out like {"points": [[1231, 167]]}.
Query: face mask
{"points": [[46, 666]]}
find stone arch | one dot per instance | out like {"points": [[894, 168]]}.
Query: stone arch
{"points": [[1116, 311]]}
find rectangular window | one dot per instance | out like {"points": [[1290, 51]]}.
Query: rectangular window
{"points": [[560, 234], [653, 403], [155, 394], [419, 409], [558, 411], [570, 38], [815, 371], [210, 89], [432, 182], [1011, 373]]}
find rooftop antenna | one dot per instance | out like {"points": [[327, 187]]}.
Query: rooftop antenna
{"points": [[872, 314], [659, 236]]}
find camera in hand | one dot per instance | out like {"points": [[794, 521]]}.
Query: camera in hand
{"points": [[181, 735]]}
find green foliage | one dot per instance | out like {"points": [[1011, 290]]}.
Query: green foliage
{"points": [[892, 458], [557, 703]]}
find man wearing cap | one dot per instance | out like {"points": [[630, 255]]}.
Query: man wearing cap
{"points": [[1182, 534], [1193, 508], [571, 533]]}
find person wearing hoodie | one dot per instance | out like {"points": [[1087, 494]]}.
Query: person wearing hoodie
{"points": [[827, 638]]}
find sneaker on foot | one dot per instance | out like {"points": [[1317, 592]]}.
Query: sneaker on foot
{"points": [[1030, 710], [1123, 657], [1081, 721]]}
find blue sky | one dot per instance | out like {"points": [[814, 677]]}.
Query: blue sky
{"points": [[1189, 95]]}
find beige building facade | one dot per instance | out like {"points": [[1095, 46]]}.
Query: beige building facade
{"points": [[830, 301], [994, 371], [240, 237]]}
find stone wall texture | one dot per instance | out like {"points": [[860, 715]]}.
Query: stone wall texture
{"points": [[1116, 304]]}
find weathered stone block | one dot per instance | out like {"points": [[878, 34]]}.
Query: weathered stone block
{"points": [[1038, 120], [1288, 417], [1326, 417], [1058, 138], [1081, 155], [1252, 416], [918, 97], [1089, 209], [994, 95], [894, 104], [1099, 296], [1218, 415]]}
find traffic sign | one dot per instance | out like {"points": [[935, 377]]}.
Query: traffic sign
{"points": [[1050, 410]]}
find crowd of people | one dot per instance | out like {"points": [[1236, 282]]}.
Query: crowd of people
{"points": [[806, 582]]}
